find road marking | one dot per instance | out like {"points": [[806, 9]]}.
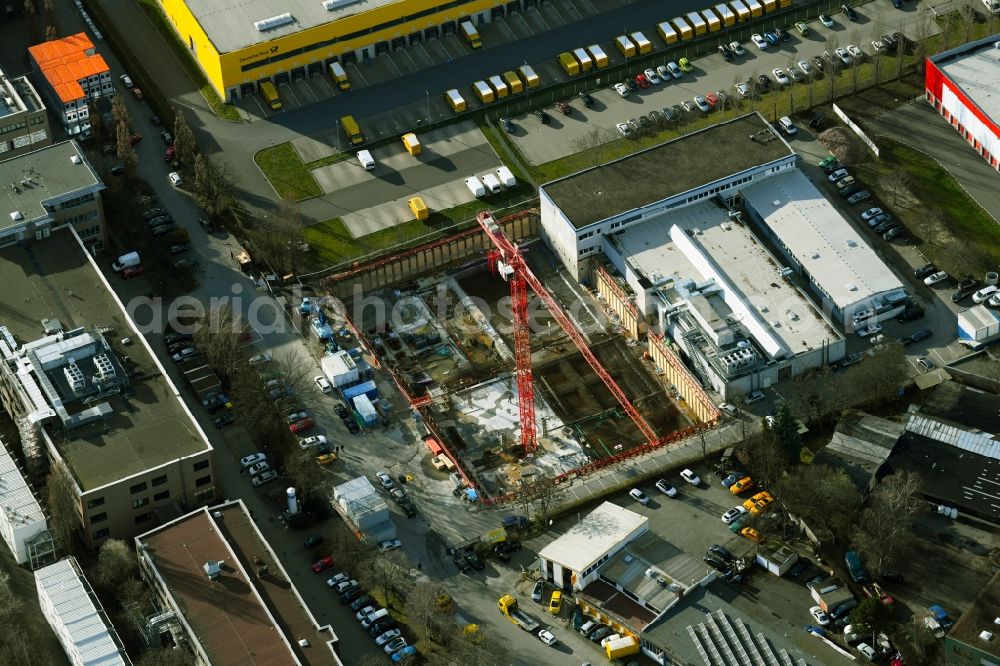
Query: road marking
{"points": [[394, 65], [444, 47], [505, 27], [357, 72], [410, 58], [569, 5], [520, 15], [541, 18]]}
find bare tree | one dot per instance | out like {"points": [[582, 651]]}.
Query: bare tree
{"points": [[810, 490], [184, 143], [49, 12], [64, 507], [119, 112], [425, 615], [885, 528], [882, 375], [766, 459], [51, 34], [16, 647], [386, 575], [116, 563], [214, 183], [280, 240], [166, 657], [126, 153], [221, 336]]}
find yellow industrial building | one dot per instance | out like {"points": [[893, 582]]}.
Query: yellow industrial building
{"points": [[240, 43]]}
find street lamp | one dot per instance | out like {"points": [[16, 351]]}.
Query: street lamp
{"points": [[428, 96]]}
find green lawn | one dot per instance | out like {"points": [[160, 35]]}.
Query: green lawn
{"points": [[284, 169]]}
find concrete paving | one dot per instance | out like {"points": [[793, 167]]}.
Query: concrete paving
{"points": [[920, 126]]}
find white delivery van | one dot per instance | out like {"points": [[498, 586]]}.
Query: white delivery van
{"points": [[127, 260], [491, 183], [506, 177], [475, 186], [366, 160]]}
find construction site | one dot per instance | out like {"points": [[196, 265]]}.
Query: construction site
{"points": [[515, 371]]}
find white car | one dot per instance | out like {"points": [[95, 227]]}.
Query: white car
{"points": [[805, 67], [295, 416], [364, 612], [855, 52], [258, 468], [664, 73], [652, 77], [621, 89], [337, 578], [395, 645], [878, 46], [252, 459], [639, 496], [870, 329], [675, 71], [844, 56], [127, 81], [729, 516], [737, 49], [690, 477], [391, 544], [837, 175], [384, 478], [870, 213], [742, 90], [780, 76], [940, 276], [666, 488], [309, 442], [546, 637], [759, 41], [702, 103], [322, 383], [984, 294], [265, 477], [259, 358], [187, 352], [624, 129], [387, 636], [822, 619], [175, 178], [995, 301], [826, 21]]}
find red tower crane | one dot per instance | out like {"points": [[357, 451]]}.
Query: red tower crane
{"points": [[507, 260]]}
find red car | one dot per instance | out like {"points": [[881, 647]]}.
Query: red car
{"points": [[301, 424], [169, 155], [135, 138], [563, 107], [642, 80], [137, 92], [323, 564], [711, 98]]}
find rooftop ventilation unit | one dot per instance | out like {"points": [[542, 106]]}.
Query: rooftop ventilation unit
{"points": [[105, 369], [16, 216], [75, 159], [74, 377], [274, 22], [212, 570], [330, 5]]}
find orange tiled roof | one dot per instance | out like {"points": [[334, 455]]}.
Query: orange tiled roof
{"points": [[65, 62]]}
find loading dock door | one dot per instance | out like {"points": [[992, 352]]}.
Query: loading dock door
{"points": [[381, 48], [298, 73], [281, 78], [246, 89], [398, 43], [315, 69], [448, 28], [416, 38], [349, 58], [432, 33], [513, 7]]}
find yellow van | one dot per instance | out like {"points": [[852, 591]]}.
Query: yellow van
{"points": [[412, 143], [419, 208], [513, 82], [455, 100], [625, 45]]}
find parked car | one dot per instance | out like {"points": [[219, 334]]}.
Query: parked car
{"points": [[780, 76], [642, 81], [588, 101], [563, 108], [821, 618], [384, 479], [702, 104], [311, 541], [721, 552], [322, 383], [732, 514], [935, 278], [690, 477], [546, 637], [652, 76], [852, 15], [675, 70], [741, 486], [322, 564], [507, 125], [925, 270], [826, 21], [224, 420], [893, 233], [639, 496], [858, 197], [754, 396], [299, 426], [759, 41], [666, 488], [390, 544], [870, 329], [737, 49], [309, 442], [542, 116], [537, 590]]}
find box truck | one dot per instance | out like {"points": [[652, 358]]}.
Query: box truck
{"points": [[742, 11], [491, 183], [582, 57], [351, 130], [531, 79], [475, 186], [270, 94], [455, 100], [339, 76], [366, 160], [506, 177], [599, 56], [412, 144], [483, 92], [514, 83], [667, 32], [713, 21], [127, 260], [569, 63], [641, 43], [726, 14], [756, 9], [625, 45], [695, 20], [683, 27], [470, 33], [770, 5], [498, 85]]}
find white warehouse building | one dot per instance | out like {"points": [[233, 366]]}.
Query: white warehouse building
{"points": [[682, 224]]}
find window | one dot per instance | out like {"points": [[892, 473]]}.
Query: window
{"points": [[97, 518], [159, 497], [137, 488], [200, 465], [94, 503], [160, 480], [136, 503], [143, 518], [203, 481], [76, 201], [101, 533]]}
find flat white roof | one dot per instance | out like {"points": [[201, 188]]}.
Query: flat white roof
{"points": [[230, 23], [977, 73], [84, 626], [837, 258], [587, 541], [16, 498], [700, 242]]}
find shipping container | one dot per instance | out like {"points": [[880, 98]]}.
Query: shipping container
{"points": [[531, 79], [367, 388], [455, 100], [742, 11], [667, 32], [697, 22], [685, 30], [483, 92], [498, 85], [621, 647], [568, 63], [582, 57], [643, 44], [470, 33], [412, 144], [513, 82], [625, 45], [713, 21], [366, 410], [756, 9], [339, 76], [770, 5], [599, 56], [726, 14]]}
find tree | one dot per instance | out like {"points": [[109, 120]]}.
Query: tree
{"points": [[221, 336], [31, 17], [119, 112], [810, 490], [49, 12], [214, 183], [116, 563], [885, 528], [279, 239], [766, 459], [882, 375], [786, 430], [868, 616], [126, 153], [424, 614], [184, 143], [64, 506], [166, 657], [51, 34], [385, 575], [15, 648]]}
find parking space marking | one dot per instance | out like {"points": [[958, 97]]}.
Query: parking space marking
{"points": [[419, 53], [406, 52], [537, 13], [589, 6], [328, 88], [308, 92], [357, 72], [553, 18], [504, 26], [527, 27], [570, 7], [436, 51], [389, 59]]}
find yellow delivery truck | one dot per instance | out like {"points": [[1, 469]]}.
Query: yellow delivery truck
{"points": [[713, 21], [641, 43], [742, 11], [569, 63], [498, 85], [531, 79], [756, 9], [351, 130], [455, 100], [483, 92], [625, 45], [470, 33], [726, 14], [339, 76], [582, 57], [683, 27], [598, 55], [667, 32], [695, 20], [270, 94], [514, 83], [412, 144]]}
